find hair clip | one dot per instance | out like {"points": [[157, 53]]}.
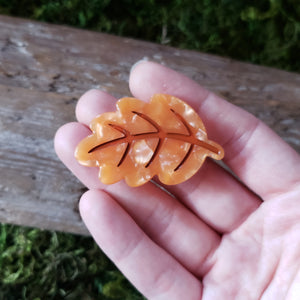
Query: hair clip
{"points": [[139, 140]]}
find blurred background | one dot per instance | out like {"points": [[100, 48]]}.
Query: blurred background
{"points": [[36, 264], [263, 32]]}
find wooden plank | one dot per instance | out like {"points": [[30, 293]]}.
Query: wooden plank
{"points": [[45, 68]]}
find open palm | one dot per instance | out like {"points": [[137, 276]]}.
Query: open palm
{"points": [[217, 237]]}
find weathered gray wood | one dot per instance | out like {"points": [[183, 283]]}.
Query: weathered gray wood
{"points": [[45, 68]]}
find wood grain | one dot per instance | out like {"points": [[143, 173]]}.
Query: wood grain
{"points": [[45, 68]]}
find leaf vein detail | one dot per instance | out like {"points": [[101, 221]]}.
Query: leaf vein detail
{"points": [[160, 134]]}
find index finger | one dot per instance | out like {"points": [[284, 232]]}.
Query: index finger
{"points": [[260, 158]]}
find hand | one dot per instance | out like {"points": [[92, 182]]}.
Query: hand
{"points": [[221, 238]]}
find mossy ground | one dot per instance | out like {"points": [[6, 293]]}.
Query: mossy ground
{"points": [[264, 32], [37, 264]]}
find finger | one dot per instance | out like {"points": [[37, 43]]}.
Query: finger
{"points": [[66, 140], [217, 198], [151, 269], [253, 151], [92, 103], [164, 219], [224, 203]]}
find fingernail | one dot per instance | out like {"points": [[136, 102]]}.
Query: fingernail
{"points": [[138, 62]]}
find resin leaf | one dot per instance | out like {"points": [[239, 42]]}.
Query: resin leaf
{"points": [[140, 140]]}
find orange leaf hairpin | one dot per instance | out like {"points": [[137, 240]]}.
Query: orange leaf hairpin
{"points": [[140, 140]]}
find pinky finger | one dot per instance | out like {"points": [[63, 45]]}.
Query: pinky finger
{"points": [[155, 273]]}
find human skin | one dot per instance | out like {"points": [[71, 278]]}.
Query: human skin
{"points": [[220, 237]]}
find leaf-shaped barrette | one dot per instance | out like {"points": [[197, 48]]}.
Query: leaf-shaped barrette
{"points": [[165, 137]]}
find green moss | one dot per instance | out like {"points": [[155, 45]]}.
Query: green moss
{"points": [[37, 264], [263, 32]]}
